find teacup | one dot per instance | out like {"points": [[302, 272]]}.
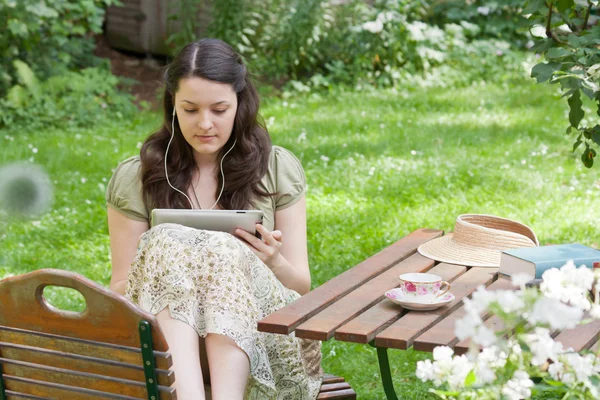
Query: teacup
{"points": [[423, 287]]}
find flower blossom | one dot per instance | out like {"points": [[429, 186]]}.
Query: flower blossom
{"points": [[569, 284], [557, 315], [518, 387]]}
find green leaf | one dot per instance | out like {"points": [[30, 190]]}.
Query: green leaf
{"points": [[470, 378], [588, 157], [542, 45], [576, 111], [576, 144], [534, 6], [544, 71], [17, 96], [596, 134], [557, 52], [564, 5]]}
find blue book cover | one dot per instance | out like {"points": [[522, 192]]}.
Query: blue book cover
{"points": [[535, 260]]}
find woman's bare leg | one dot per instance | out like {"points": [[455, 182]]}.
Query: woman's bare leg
{"points": [[229, 368], [184, 347]]}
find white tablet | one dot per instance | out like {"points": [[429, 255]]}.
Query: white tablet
{"points": [[212, 220]]}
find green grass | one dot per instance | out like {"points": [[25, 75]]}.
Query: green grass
{"points": [[379, 165]]}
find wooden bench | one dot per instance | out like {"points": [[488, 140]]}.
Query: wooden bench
{"points": [[112, 350]]}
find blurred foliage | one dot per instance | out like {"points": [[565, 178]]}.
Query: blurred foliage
{"points": [[70, 99], [48, 74], [499, 19], [49, 36], [570, 41], [319, 43]]}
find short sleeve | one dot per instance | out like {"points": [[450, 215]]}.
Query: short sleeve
{"points": [[289, 178], [124, 191]]}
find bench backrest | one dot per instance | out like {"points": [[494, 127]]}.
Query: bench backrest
{"points": [[112, 350]]}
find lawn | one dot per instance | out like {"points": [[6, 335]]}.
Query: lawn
{"points": [[379, 165]]}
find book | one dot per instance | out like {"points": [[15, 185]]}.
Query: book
{"points": [[534, 261]]}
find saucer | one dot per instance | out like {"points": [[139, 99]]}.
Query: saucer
{"points": [[397, 296]]}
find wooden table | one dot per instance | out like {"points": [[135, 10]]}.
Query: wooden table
{"points": [[352, 307]]}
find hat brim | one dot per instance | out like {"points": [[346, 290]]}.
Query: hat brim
{"points": [[446, 250]]}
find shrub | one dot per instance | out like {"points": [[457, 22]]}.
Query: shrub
{"points": [[49, 36], [570, 43], [70, 99]]}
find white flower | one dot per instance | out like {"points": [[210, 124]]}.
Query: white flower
{"points": [[569, 284], [466, 326], [554, 313], [556, 370], [483, 10], [519, 280], [482, 298], [489, 359], [373, 26], [484, 336], [519, 387], [542, 346], [595, 311], [444, 368], [441, 353], [425, 370], [510, 301]]}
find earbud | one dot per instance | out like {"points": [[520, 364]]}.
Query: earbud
{"points": [[173, 111]]}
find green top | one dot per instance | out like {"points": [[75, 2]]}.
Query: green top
{"points": [[284, 176]]}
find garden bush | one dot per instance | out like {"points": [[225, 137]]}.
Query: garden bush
{"points": [[71, 99], [319, 43], [49, 36]]}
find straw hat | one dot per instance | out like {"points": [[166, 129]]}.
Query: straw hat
{"points": [[478, 240]]}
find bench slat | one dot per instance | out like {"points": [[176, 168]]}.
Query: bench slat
{"points": [[289, 317], [109, 317], [338, 394], [581, 337], [363, 328], [63, 392], [80, 363], [400, 334], [334, 386], [328, 378], [322, 326], [443, 334], [10, 395], [75, 379], [64, 344]]}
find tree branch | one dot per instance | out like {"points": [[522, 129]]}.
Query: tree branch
{"points": [[549, 32], [587, 16]]}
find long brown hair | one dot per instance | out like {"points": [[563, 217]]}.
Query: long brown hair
{"points": [[243, 167]]}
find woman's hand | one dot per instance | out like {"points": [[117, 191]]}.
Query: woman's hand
{"points": [[266, 249]]}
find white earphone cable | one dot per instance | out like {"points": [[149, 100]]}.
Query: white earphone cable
{"points": [[167, 173]]}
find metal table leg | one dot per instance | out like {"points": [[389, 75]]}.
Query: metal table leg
{"points": [[386, 374]]}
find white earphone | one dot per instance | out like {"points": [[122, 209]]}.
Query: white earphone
{"points": [[167, 173]]}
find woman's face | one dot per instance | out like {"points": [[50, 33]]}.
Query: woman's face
{"points": [[206, 113]]}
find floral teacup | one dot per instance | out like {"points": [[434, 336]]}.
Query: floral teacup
{"points": [[423, 287]]}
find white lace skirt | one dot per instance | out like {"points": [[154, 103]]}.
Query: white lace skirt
{"points": [[215, 284]]}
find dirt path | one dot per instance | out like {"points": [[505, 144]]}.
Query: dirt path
{"points": [[146, 71]]}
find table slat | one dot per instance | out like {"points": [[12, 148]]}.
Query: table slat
{"points": [[442, 334], [401, 333], [581, 337], [289, 317], [363, 328], [322, 325]]}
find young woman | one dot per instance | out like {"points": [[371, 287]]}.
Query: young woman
{"points": [[208, 289]]}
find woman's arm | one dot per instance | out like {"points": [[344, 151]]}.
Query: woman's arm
{"points": [[124, 235], [292, 269], [284, 250]]}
